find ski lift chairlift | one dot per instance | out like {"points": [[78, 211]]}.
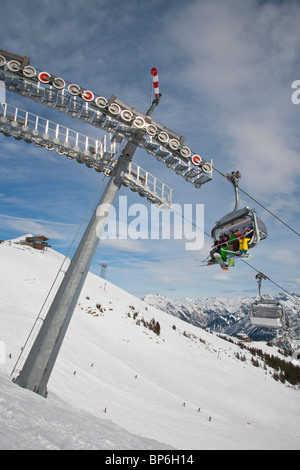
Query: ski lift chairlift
{"points": [[240, 218], [266, 313]]}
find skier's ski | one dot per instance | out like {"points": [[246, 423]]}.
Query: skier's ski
{"points": [[221, 262]]}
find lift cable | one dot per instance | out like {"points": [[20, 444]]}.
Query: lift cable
{"points": [[261, 205], [276, 217], [270, 212], [273, 282], [246, 262]]}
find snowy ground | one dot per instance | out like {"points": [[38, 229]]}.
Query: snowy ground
{"points": [[184, 389], [28, 421]]}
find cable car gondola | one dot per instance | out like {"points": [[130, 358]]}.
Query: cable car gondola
{"points": [[266, 313], [240, 219]]}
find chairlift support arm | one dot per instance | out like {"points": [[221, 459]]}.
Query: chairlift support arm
{"points": [[234, 178], [260, 277], [111, 115]]}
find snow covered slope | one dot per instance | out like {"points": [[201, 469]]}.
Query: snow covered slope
{"points": [[28, 421], [184, 388]]}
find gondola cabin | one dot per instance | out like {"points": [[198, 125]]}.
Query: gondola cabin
{"points": [[239, 219], [267, 314]]}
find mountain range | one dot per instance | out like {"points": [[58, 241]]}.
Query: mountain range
{"points": [[232, 316]]}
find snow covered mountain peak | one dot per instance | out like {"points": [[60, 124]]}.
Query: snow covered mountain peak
{"points": [[231, 316]]}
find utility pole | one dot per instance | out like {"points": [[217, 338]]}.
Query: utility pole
{"points": [[103, 270], [43, 354]]}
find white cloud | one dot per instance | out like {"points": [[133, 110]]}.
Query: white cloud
{"points": [[239, 57], [36, 227], [222, 277], [261, 150], [133, 246], [287, 256]]}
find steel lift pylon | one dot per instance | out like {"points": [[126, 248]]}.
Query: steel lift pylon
{"points": [[43, 354], [126, 123]]}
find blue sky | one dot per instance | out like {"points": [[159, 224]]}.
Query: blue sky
{"points": [[225, 72]]}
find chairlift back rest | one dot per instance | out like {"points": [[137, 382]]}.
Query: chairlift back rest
{"points": [[267, 311], [236, 220]]}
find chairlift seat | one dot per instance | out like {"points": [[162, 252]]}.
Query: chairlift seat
{"points": [[267, 314]]}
